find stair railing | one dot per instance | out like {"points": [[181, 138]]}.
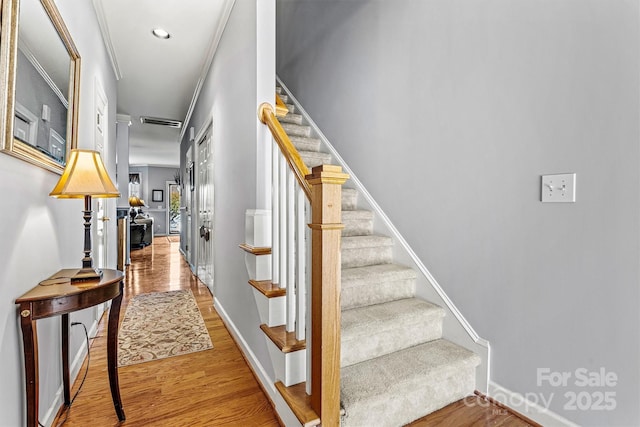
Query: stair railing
{"points": [[296, 191]]}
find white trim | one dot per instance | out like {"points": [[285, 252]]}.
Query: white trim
{"points": [[481, 345], [56, 138], [106, 38], [282, 408], [24, 114], [530, 409], [206, 65]]}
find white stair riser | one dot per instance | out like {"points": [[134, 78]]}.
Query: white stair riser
{"points": [[258, 266], [257, 228], [271, 310], [290, 368]]}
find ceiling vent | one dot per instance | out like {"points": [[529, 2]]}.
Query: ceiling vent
{"points": [[161, 122]]}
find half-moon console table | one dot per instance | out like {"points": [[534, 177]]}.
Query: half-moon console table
{"points": [[59, 296]]}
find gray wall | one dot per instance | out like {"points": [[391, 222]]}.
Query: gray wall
{"points": [[230, 96], [32, 91], [39, 234], [449, 112]]}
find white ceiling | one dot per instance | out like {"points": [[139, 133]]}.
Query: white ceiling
{"points": [[158, 78]]}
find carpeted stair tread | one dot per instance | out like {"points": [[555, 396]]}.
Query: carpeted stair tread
{"points": [[298, 130], [383, 392], [291, 107], [375, 330], [373, 241], [349, 199], [304, 143], [375, 284], [357, 223], [291, 118], [396, 367], [314, 158], [358, 251]]}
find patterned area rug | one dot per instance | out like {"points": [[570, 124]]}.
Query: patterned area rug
{"points": [[160, 325]]}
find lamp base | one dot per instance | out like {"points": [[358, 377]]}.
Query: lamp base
{"points": [[85, 274]]}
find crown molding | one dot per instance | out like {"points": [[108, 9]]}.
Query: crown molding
{"points": [[106, 38], [206, 65]]}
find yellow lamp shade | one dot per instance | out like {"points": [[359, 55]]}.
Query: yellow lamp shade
{"points": [[84, 175], [135, 202]]}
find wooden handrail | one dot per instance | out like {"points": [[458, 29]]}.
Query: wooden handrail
{"points": [[281, 108], [289, 151], [323, 188]]}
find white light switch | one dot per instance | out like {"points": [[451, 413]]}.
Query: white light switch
{"points": [[560, 188]]}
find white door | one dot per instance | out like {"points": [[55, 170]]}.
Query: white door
{"points": [[205, 230], [101, 207], [189, 187]]}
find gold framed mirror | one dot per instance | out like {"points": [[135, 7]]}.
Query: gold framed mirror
{"points": [[39, 84]]}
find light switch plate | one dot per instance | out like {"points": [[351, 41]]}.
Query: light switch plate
{"points": [[559, 188]]}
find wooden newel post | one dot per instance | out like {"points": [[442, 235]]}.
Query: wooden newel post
{"points": [[326, 225]]}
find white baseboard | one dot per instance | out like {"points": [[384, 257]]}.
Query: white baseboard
{"points": [[74, 369], [530, 409], [284, 412]]}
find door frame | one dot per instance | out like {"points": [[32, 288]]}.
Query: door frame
{"points": [[168, 210], [207, 129], [101, 125]]}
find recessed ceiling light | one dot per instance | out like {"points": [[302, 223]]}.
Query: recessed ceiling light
{"points": [[160, 33]]}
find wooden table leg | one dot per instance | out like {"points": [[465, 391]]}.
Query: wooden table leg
{"points": [[64, 324], [30, 343], [112, 353]]}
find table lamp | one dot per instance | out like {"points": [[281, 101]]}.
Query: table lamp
{"points": [[85, 176], [136, 203]]}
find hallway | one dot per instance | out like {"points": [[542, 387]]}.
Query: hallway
{"points": [[208, 388]]}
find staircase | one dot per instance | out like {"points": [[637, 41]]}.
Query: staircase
{"points": [[395, 365]]}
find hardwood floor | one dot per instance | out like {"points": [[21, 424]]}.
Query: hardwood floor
{"points": [[208, 388], [474, 411]]}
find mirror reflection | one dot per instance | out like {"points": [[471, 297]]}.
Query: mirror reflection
{"points": [[41, 84], [40, 71]]}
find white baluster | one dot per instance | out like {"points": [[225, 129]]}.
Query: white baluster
{"points": [[307, 235], [301, 253], [282, 200], [275, 217], [291, 253]]}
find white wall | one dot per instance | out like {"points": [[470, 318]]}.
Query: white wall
{"points": [[39, 235], [449, 112], [230, 95]]}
